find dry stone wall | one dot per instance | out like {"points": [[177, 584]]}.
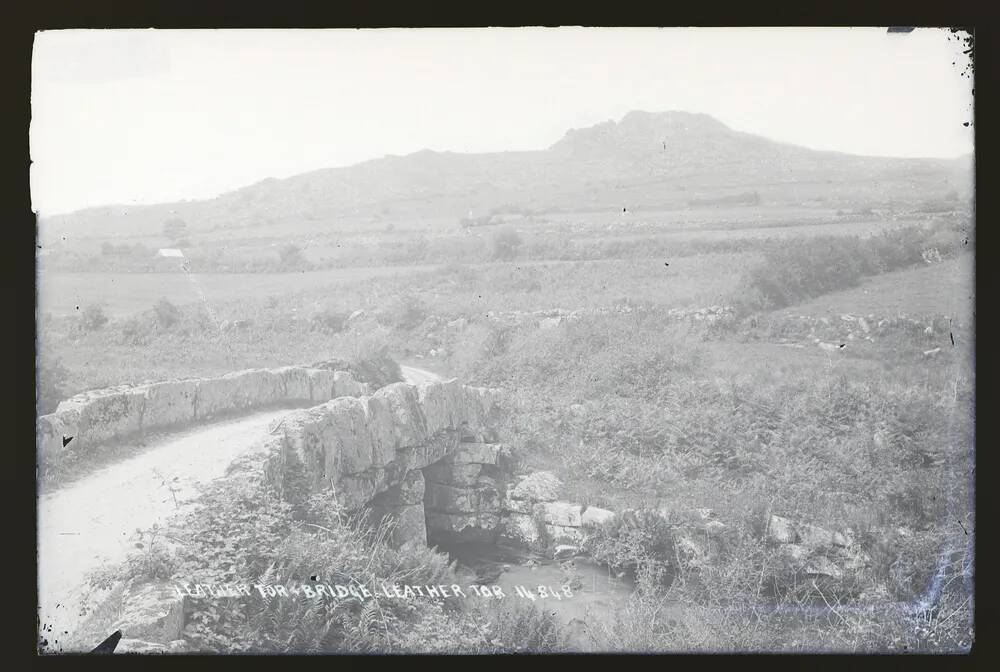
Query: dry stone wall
{"points": [[100, 416]]}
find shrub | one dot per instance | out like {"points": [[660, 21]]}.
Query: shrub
{"points": [[135, 331], [290, 256], [640, 542], [92, 317], [372, 366], [792, 271], [404, 312], [330, 320], [167, 314], [506, 243]]}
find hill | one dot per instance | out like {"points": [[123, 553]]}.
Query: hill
{"points": [[645, 161]]}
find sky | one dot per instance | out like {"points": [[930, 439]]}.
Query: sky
{"points": [[148, 116]]}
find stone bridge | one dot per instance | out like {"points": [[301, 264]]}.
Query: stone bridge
{"points": [[426, 455]]}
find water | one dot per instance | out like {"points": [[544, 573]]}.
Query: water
{"points": [[589, 594]]}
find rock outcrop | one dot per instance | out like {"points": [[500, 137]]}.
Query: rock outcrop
{"points": [[815, 551], [151, 612], [532, 517]]}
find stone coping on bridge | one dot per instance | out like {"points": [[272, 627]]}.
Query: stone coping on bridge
{"points": [[362, 446], [99, 416]]}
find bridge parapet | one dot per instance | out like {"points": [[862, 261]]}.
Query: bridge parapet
{"points": [[100, 416]]}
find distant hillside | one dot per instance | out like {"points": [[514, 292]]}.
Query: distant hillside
{"points": [[645, 161]]}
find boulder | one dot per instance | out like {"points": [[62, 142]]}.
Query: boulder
{"points": [[561, 514], [691, 549], [794, 554], [152, 612], [409, 424], [814, 537], [550, 323], [305, 433], [520, 529], [381, 429], [820, 565], [443, 405], [563, 551], [781, 530], [541, 486], [138, 646], [348, 443], [593, 515], [564, 534], [714, 528]]}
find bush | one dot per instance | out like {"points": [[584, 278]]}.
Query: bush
{"points": [[92, 317], [330, 320], [792, 271], [640, 542], [374, 367], [291, 258], [404, 312], [506, 243], [167, 314], [135, 331]]}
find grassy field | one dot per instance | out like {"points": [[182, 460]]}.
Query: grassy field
{"points": [[946, 288], [60, 293], [745, 414]]}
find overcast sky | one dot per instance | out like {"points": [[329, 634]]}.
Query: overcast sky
{"points": [[145, 116]]}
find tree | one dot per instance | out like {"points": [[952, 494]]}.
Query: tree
{"points": [[174, 229], [506, 242]]}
